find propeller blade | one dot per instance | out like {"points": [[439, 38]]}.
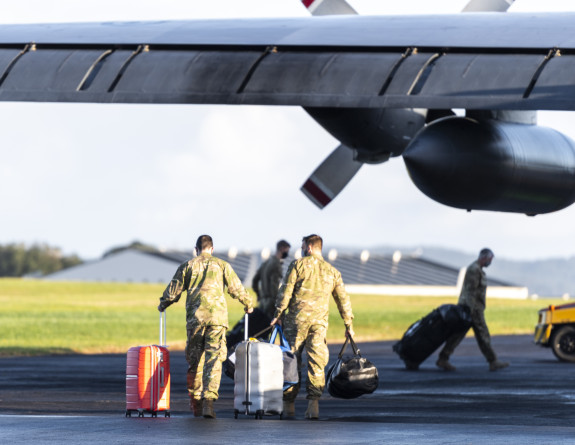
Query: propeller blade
{"points": [[329, 7], [331, 176], [488, 5]]}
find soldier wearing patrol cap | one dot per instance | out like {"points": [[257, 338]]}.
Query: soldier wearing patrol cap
{"points": [[473, 295], [204, 278], [305, 294]]}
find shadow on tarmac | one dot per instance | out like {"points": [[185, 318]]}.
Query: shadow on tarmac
{"points": [[532, 401]]}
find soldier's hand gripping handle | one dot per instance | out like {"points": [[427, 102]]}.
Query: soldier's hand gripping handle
{"points": [[349, 332]]}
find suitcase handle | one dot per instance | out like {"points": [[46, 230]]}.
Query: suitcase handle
{"points": [[283, 341], [247, 401], [246, 336], [163, 338], [356, 350], [262, 332]]}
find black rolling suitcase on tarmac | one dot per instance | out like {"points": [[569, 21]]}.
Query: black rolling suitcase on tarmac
{"points": [[424, 336]]}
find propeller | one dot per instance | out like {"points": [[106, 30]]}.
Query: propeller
{"points": [[338, 169], [329, 7], [335, 172], [488, 5], [332, 175]]}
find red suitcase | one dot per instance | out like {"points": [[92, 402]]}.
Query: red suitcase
{"points": [[148, 377]]}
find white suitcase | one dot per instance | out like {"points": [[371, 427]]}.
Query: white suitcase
{"points": [[258, 379]]}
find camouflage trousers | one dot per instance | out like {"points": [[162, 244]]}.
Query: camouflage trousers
{"points": [[482, 337], [313, 339], [205, 351]]}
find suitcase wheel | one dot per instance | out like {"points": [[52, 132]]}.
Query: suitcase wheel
{"points": [[167, 414], [128, 413], [260, 414], [140, 413], [236, 412], [154, 413]]}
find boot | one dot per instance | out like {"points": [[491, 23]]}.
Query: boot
{"points": [[444, 364], [196, 406], [208, 409], [496, 364], [312, 412], [289, 410]]}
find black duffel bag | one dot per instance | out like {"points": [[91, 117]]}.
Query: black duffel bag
{"points": [[351, 377]]}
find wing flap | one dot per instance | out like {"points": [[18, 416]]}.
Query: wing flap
{"points": [[322, 73], [190, 73], [49, 70], [407, 73], [317, 77], [482, 74], [556, 82]]}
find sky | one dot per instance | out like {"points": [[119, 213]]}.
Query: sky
{"points": [[87, 177]]}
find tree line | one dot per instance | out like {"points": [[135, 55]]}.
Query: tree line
{"points": [[17, 260]]}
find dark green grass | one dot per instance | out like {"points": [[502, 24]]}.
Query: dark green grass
{"points": [[39, 317]]}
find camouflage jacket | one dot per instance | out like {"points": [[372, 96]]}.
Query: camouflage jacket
{"points": [[205, 278], [266, 283], [474, 287], [306, 290]]}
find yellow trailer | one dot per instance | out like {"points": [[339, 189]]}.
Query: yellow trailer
{"points": [[556, 330]]}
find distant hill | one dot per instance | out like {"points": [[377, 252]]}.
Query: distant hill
{"points": [[550, 277]]}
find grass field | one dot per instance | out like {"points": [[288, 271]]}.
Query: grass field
{"points": [[39, 317]]}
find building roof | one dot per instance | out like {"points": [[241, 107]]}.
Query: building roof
{"points": [[158, 267], [393, 269]]}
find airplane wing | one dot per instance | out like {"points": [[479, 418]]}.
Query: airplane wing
{"points": [[474, 61]]}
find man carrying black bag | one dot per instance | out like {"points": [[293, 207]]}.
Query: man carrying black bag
{"points": [[305, 294]]}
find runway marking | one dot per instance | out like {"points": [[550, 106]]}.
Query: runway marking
{"points": [[50, 416], [478, 392]]}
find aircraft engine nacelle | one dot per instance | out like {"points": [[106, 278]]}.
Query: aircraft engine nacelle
{"points": [[374, 134], [493, 165]]}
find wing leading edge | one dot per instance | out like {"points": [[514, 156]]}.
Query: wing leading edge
{"points": [[410, 63]]}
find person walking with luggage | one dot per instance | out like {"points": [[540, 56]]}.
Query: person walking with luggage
{"points": [[205, 278], [305, 293], [267, 279], [473, 295]]}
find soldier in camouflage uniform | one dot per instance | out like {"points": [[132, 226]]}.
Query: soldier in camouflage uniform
{"points": [[205, 278], [305, 293], [473, 295], [267, 279]]}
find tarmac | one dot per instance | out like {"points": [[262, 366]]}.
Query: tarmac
{"points": [[81, 399]]}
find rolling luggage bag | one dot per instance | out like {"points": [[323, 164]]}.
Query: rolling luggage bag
{"points": [[424, 336], [148, 377], [258, 379], [229, 365]]}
